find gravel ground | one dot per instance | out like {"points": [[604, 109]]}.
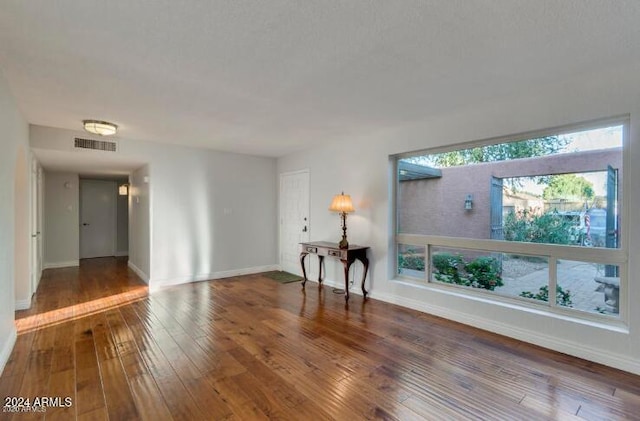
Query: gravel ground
{"points": [[515, 268]]}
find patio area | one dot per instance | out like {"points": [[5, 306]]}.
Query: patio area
{"points": [[574, 277], [577, 280]]}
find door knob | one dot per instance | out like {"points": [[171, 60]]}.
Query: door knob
{"points": [[304, 229], [85, 224]]}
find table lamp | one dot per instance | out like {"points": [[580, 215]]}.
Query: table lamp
{"points": [[342, 203]]}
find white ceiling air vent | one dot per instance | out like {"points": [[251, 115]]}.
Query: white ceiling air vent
{"points": [[96, 145]]}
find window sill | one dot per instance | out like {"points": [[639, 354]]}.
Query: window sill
{"points": [[558, 313]]}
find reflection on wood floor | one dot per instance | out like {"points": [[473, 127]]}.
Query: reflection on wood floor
{"points": [[250, 348]]}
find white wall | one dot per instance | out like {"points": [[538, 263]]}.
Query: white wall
{"points": [[61, 219], [122, 224], [212, 214], [361, 168], [139, 224], [22, 230], [14, 138]]}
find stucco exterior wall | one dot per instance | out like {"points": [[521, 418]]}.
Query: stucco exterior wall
{"points": [[436, 206]]}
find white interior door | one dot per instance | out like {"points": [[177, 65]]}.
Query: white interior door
{"points": [[40, 223], [97, 218], [36, 224], [294, 218]]}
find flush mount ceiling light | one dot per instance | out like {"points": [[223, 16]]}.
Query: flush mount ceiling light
{"points": [[102, 128]]}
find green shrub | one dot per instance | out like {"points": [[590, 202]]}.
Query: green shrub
{"points": [[483, 272], [447, 267], [550, 228], [411, 261], [563, 297]]}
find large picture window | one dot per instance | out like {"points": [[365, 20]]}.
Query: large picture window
{"points": [[535, 219]]}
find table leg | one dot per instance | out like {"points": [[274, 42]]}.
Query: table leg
{"points": [[365, 263], [347, 265], [304, 271], [320, 260]]}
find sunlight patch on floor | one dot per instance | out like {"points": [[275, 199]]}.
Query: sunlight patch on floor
{"points": [[54, 317]]}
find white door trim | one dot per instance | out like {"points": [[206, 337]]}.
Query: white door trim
{"points": [[35, 225]]}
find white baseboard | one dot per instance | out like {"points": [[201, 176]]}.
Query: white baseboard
{"points": [[23, 304], [245, 271], [122, 253], [157, 284], [7, 347], [551, 342], [138, 272], [55, 265]]}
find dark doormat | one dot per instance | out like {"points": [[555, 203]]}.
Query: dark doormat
{"points": [[283, 277]]}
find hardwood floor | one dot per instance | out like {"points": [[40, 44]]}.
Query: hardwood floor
{"points": [[250, 348]]}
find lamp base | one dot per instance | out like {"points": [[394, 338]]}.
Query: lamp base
{"points": [[344, 244]]}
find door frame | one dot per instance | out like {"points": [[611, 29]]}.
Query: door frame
{"points": [[280, 209], [36, 224]]}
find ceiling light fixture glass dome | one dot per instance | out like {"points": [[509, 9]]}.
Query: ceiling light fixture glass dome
{"points": [[102, 128]]}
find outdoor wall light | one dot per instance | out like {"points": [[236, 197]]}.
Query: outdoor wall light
{"points": [[468, 202], [342, 204]]}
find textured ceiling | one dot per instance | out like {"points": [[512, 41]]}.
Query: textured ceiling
{"points": [[272, 77]]}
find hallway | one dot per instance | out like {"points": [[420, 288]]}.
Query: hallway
{"points": [[68, 293]]}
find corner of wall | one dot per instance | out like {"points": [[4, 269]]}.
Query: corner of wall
{"points": [[158, 284], [65, 264], [23, 304], [138, 271], [6, 348]]}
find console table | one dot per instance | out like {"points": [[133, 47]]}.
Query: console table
{"points": [[346, 256]]}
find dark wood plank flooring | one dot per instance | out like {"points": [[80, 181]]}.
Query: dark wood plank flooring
{"points": [[250, 348]]}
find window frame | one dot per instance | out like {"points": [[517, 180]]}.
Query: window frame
{"points": [[552, 252]]}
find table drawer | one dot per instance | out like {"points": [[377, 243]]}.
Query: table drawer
{"points": [[310, 249], [341, 254]]}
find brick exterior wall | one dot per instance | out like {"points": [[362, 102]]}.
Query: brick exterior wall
{"points": [[436, 206]]}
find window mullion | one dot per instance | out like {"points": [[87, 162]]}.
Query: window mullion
{"points": [[427, 263], [553, 280]]}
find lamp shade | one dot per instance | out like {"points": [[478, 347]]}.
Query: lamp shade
{"points": [[342, 203], [102, 128]]}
